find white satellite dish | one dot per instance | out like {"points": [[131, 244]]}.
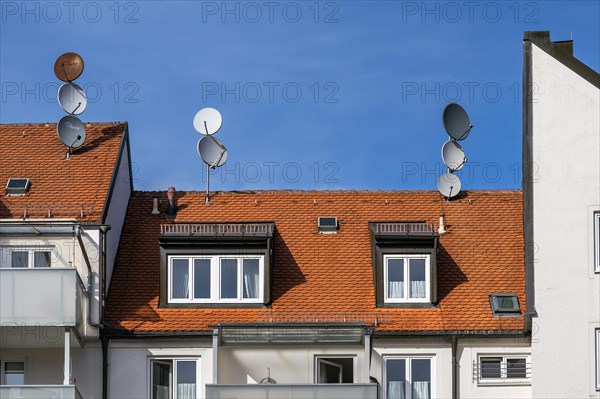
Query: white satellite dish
{"points": [[456, 121], [212, 151], [449, 185], [453, 155], [208, 121], [71, 98], [71, 131]]}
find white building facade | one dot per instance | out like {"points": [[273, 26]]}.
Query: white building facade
{"points": [[561, 159]]}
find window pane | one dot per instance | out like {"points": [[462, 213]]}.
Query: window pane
{"points": [[14, 373], [421, 378], [505, 302], [161, 380], [490, 368], [201, 278], [186, 379], [179, 285], [395, 370], [41, 259], [329, 373], [251, 281], [19, 259], [229, 278], [418, 286], [516, 368], [395, 273]]}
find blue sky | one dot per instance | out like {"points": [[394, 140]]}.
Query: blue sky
{"points": [[314, 95]]}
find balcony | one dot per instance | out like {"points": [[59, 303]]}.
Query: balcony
{"points": [[291, 391], [40, 296], [39, 392]]}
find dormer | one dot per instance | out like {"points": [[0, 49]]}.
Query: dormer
{"points": [[216, 265], [404, 264]]}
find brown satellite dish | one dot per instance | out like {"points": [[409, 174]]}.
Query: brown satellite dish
{"points": [[68, 67]]}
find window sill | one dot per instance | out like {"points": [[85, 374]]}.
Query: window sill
{"points": [[503, 383]]}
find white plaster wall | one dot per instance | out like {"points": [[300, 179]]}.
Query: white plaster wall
{"points": [[116, 211], [288, 364], [440, 349], [468, 352], [129, 363], [566, 192], [45, 367]]}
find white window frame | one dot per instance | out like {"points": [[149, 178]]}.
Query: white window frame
{"points": [[3, 369], [504, 380], [408, 359], [597, 242], [215, 279], [324, 358], [30, 257], [598, 359], [173, 361], [406, 298]]}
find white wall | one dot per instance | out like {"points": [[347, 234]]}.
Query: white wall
{"points": [[468, 350], [294, 364], [566, 192], [129, 363], [117, 210], [45, 367]]}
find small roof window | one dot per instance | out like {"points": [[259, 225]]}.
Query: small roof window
{"points": [[505, 305], [17, 186], [327, 225]]}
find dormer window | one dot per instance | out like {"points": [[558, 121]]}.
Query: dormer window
{"points": [[216, 265], [404, 264], [216, 279], [407, 278]]}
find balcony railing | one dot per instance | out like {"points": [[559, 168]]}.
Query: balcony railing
{"points": [[291, 391], [40, 296], [39, 392]]}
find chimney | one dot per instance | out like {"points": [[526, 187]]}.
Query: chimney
{"points": [[565, 45], [155, 210], [172, 209], [442, 228]]}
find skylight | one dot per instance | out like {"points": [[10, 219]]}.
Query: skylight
{"points": [[327, 225], [17, 186], [505, 305]]}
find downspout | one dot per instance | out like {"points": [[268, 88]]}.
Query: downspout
{"points": [[454, 367], [105, 340], [90, 278]]}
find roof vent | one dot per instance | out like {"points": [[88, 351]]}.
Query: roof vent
{"points": [[17, 186], [327, 225], [505, 305]]}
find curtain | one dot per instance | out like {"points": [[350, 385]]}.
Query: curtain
{"points": [[395, 390], [417, 289], [186, 391], [396, 289], [180, 282], [162, 392], [250, 286], [420, 390]]}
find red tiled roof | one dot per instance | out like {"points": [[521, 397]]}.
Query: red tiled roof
{"points": [[68, 187], [331, 274]]}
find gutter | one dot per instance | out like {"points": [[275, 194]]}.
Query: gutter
{"points": [[454, 367], [77, 230]]}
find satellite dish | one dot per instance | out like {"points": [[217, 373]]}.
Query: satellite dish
{"points": [[453, 155], [208, 121], [456, 121], [72, 98], [68, 67], [212, 151], [448, 185], [71, 131]]}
